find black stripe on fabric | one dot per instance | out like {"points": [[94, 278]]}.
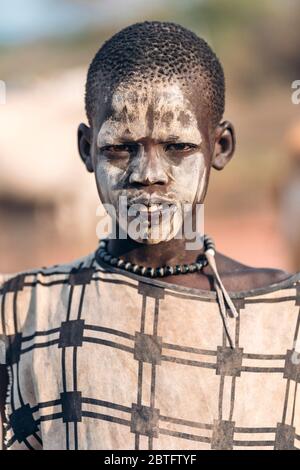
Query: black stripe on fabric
{"points": [[15, 295], [12, 388], [184, 422], [3, 313], [67, 436], [286, 399], [136, 441], [75, 368], [264, 356], [81, 301], [70, 302], [115, 406], [112, 419], [270, 301], [153, 378], [75, 436], [140, 382], [37, 437], [86, 327], [40, 333], [184, 435], [63, 369], [49, 417], [29, 446], [294, 404], [143, 313], [254, 430], [232, 397], [262, 369], [46, 284], [253, 443], [45, 404], [39, 345], [15, 313], [156, 312], [108, 343], [206, 365], [109, 331], [18, 385], [188, 296], [176, 347], [220, 400]]}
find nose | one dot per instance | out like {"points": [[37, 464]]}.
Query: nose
{"points": [[148, 169]]}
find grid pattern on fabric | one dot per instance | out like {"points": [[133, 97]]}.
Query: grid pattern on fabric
{"points": [[101, 360]]}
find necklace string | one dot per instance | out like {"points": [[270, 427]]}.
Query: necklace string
{"points": [[160, 271]]}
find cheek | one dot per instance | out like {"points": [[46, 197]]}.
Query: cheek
{"points": [[107, 178], [188, 176]]}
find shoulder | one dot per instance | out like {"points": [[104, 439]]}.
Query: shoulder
{"points": [[36, 296], [237, 276], [16, 281]]}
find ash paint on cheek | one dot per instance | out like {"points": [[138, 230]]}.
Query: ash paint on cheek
{"points": [[109, 178], [187, 176]]}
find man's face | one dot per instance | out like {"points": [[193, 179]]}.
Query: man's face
{"points": [[153, 150]]}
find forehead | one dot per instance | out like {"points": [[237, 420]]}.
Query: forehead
{"points": [[158, 111]]}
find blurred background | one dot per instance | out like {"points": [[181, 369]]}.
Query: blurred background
{"points": [[47, 199]]}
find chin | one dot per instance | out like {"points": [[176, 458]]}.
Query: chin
{"points": [[148, 238]]}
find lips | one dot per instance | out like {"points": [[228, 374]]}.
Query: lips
{"points": [[153, 213]]}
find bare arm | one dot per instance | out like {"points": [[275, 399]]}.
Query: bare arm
{"points": [[3, 389]]}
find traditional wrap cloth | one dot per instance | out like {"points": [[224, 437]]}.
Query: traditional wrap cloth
{"points": [[102, 359]]}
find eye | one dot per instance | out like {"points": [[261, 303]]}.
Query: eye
{"points": [[121, 150], [180, 147]]}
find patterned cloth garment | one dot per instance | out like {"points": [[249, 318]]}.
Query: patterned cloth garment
{"points": [[101, 359]]}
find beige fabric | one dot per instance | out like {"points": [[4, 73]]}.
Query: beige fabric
{"points": [[106, 360]]}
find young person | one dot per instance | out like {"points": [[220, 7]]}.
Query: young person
{"points": [[148, 342]]}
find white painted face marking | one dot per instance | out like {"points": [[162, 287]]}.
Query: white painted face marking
{"points": [[159, 113], [133, 107]]}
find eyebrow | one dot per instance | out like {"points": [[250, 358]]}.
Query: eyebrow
{"points": [[171, 138]]}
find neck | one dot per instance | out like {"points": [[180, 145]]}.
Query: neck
{"points": [[165, 253]]}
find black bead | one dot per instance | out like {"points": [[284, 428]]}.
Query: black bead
{"points": [[102, 253], [136, 269], [107, 258], [185, 268], [192, 268], [160, 272], [150, 272], [113, 261], [143, 270], [177, 269], [169, 270], [120, 263], [199, 266]]}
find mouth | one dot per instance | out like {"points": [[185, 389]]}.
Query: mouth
{"points": [[153, 212]]}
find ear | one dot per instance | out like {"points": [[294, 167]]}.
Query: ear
{"points": [[224, 145], [84, 135]]}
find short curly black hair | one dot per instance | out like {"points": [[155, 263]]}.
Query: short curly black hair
{"points": [[158, 51]]}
